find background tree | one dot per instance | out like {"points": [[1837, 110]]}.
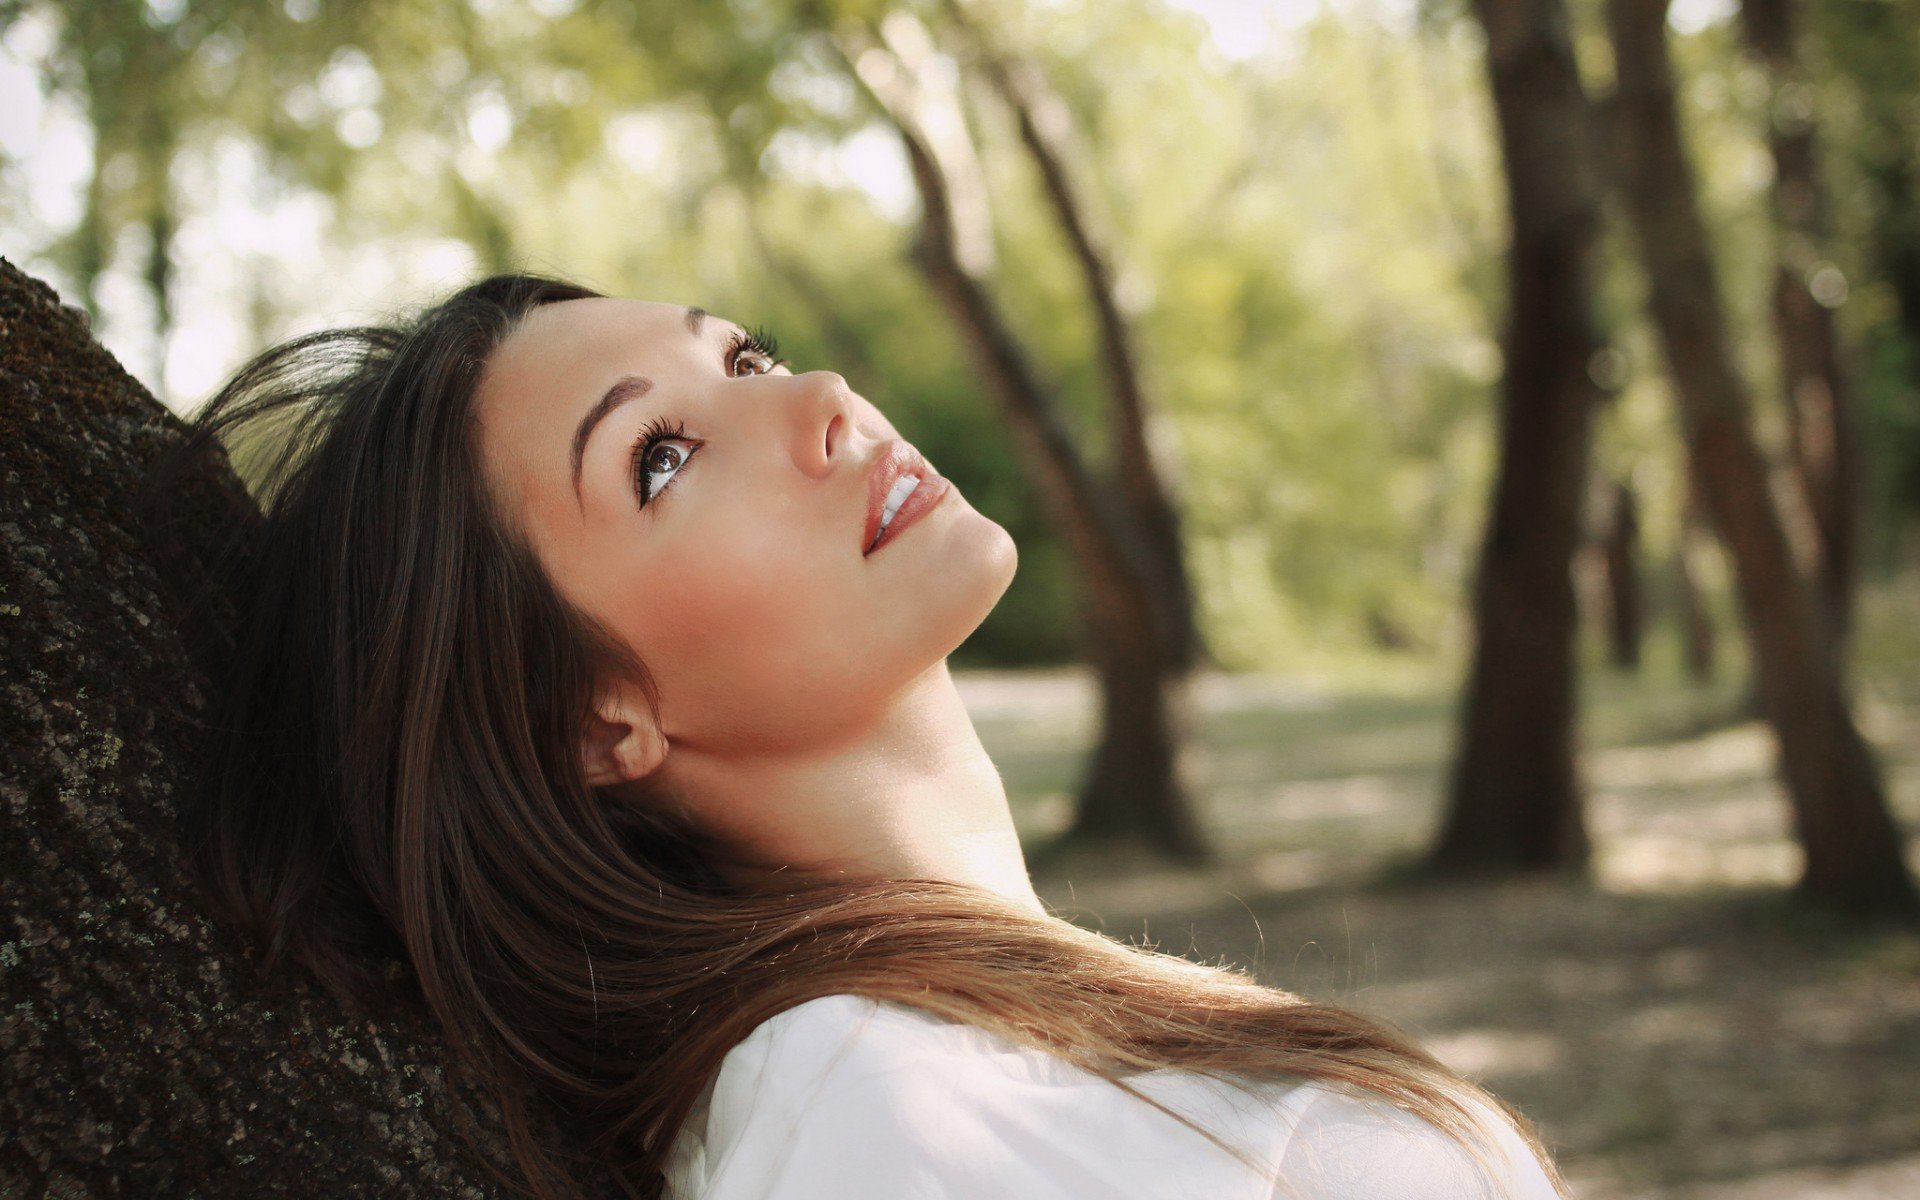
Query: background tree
{"points": [[1823, 426], [1138, 436], [1854, 853], [1136, 789], [1873, 77], [1699, 636], [1620, 552], [1514, 797]]}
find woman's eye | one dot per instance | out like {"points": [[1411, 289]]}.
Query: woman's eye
{"points": [[766, 361], [659, 465], [757, 346]]}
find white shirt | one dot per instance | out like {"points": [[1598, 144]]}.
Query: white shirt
{"points": [[848, 1098]]}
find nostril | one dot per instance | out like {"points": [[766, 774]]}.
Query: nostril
{"points": [[831, 426]]}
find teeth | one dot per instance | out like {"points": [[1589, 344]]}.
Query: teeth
{"points": [[896, 496]]}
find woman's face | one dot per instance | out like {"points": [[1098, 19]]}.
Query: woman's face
{"points": [[740, 577]]}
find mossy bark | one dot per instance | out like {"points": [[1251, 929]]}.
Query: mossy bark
{"points": [[137, 1056]]}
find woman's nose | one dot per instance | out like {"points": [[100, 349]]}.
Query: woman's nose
{"points": [[822, 433]]}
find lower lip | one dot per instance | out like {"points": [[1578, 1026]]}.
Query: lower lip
{"points": [[930, 492]]}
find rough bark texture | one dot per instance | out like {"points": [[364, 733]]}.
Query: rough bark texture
{"points": [[1514, 799], [1138, 788], [138, 1057], [1854, 852], [1822, 412]]}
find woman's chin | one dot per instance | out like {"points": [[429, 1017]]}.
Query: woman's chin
{"points": [[1008, 555], [986, 570], [989, 549], [981, 557]]}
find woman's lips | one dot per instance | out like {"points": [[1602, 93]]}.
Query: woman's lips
{"points": [[898, 458], [929, 492]]}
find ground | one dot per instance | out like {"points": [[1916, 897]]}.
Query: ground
{"points": [[1675, 1024]]}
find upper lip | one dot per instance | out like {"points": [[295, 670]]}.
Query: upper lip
{"points": [[896, 458]]}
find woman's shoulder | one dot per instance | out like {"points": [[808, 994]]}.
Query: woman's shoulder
{"points": [[864, 1097], [797, 1051], [814, 1031], [851, 1051], [860, 1098], [1344, 1143]]}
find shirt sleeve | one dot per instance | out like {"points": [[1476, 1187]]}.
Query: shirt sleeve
{"points": [[1344, 1147]]}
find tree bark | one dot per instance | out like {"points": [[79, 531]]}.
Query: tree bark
{"points": [[1854, 852], [1514, 796], [1822, 412], [140, 1059], [1138, 787], [1626, 612], [1047, 132]]}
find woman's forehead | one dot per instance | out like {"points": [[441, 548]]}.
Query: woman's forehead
{"points": [[561, 352], [567, 327]]}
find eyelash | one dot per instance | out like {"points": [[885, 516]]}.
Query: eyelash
{"points": [[759, 340]]}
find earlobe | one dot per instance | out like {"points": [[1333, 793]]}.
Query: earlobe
{"points": [[622, 743]]}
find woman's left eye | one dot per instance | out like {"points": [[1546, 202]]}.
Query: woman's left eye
{"points": [[754, 346]]}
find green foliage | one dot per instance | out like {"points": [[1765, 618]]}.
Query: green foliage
{"points": [[1310, 241]]}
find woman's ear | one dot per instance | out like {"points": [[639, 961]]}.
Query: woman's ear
{"points": [[622, 741]]}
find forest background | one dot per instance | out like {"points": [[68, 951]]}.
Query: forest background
{"points": [[1253, 262]]}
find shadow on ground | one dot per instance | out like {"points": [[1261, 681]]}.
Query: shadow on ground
{"points": [[1674, 1023]]}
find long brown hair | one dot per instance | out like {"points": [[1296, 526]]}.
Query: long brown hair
{"points": [[393, 772]]}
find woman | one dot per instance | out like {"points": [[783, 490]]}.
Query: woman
{"points": [[592, 665]]}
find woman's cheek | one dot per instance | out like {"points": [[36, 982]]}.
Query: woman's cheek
{"points": [[727, 588]]}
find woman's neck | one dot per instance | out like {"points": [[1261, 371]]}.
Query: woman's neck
{"points": [[916, 795]]}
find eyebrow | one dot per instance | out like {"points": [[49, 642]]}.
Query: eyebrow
{"points": [[627, 387]]}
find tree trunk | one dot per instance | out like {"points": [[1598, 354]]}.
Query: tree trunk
{"points": [[1697, 632], [1854, 853], [140, 1059], [1821, 409], [1897, 235], [1047, 132], [1873, 44], [1626, 611], [1514, 798], [1897, 241], [1138, 788]]}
